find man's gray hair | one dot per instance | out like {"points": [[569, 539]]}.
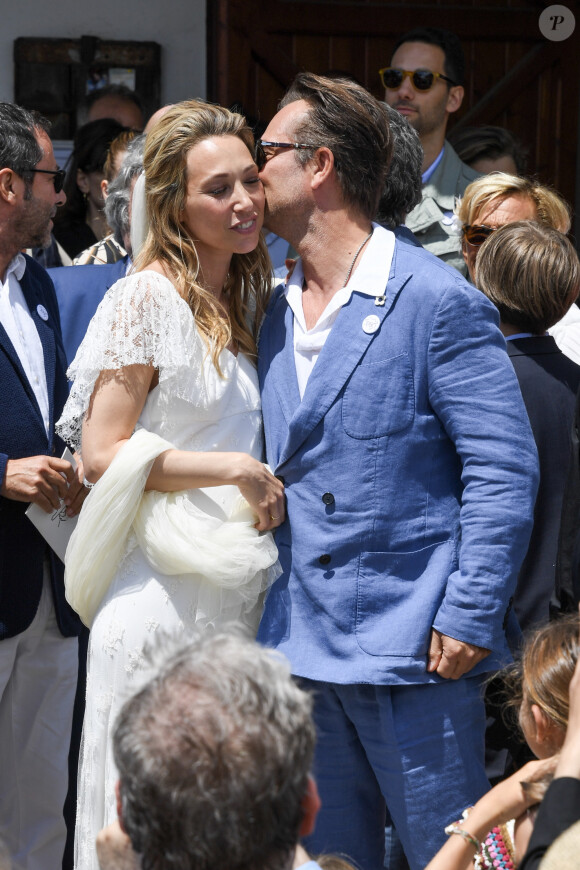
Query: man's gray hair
{"points": [[213, 757], [402, 189], [119, 192]]}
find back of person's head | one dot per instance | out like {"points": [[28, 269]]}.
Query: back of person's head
{"points": [[564, 850], [402, 189], [447, 41], [551, 209], [214, 755], [116, 152], [531, 273], [119, 192], [345, 118], [333, 862], [547, 666], [113, 101], [19, 148], [488, 143]]}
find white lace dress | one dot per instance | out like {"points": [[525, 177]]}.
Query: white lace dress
{"points": [[143, 320]]}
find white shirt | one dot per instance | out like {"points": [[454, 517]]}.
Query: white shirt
{"points": [[370, 277], [16, 319]]}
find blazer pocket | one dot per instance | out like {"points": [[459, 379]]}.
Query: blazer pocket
{"points": [[398, 596], [379, 398]]}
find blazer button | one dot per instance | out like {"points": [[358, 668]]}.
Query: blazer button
{"points": [[324, 559], [328, 498]]}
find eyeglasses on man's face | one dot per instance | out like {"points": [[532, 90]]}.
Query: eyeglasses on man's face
{"points": [[58, 176], [392, 78], [264, 151], [476, 234]]}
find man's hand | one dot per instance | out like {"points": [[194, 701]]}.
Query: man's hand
{"points": [[43, 480], [114, 850], [452, 658]]}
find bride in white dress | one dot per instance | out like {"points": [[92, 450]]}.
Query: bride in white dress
{"points": [[165, 408]]}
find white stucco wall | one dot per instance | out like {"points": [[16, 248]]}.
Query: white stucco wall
{"points": [[177, 25]]}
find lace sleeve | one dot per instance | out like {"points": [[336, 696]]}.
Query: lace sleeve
{"points": [[142, 320]]}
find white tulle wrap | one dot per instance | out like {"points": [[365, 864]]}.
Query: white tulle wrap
{"points": [[176, 536], [207, 535]]}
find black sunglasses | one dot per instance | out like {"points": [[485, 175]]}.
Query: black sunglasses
{"points": [[260, 156], [58, 176], [476, 234], [422, 79]]}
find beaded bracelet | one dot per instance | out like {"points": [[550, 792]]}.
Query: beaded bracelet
{"points": [[455, 829]]}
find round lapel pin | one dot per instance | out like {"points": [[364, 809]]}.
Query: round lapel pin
{"points": [[371, 323], [42, 312]]}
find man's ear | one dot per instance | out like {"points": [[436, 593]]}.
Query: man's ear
{"points": [[119, 805], [310, 806], [323, 165], [454, 98], [7, 192], [105, 188]]}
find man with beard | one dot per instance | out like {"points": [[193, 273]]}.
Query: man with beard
{"points": [[425, 84], [38, 646], [395, 420]]}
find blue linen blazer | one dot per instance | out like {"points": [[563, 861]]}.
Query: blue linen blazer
{"points": [[22, 433], [410, 472], [79, 289]]}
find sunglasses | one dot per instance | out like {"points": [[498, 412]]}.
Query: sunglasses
{"points": [[477, 234], [58, 176], [422, 79], [261, 157]]}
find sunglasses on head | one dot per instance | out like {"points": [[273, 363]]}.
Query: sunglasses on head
{"points": [[422, 79], [477, 234], [58, 176], [261, 156]]}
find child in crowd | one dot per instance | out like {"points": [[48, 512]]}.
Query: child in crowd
{"points": [[495, 832]]}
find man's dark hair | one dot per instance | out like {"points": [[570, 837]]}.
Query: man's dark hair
{"points": [[19, 148], [213, 756], [402, 190], [344, 117], [448, 42], [488, 142]]}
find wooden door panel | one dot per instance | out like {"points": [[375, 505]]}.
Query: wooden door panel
{"points": [[515, 77]]}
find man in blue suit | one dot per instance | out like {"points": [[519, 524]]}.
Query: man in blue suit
{"points": [[394, 417], [38, 646]]}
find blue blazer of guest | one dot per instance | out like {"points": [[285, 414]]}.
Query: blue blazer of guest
{"points": [[22, 433], [410, 472], [79, 290]]}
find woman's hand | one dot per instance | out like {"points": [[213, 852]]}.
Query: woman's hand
{"points": [[263, 492]]}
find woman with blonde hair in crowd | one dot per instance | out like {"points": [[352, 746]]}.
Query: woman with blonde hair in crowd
{"points": [[165, 408]]}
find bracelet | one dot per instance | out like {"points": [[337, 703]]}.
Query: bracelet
{"points": [[455, 829]]}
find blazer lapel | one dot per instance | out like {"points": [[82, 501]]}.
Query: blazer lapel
{"points": [[342, 352], [283, 367]]}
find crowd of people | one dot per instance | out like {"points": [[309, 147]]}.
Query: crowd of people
{"points": [[315, 520]]}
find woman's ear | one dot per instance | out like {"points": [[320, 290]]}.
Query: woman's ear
{"points": [[548, 734], [82, 181], [105, 188]]}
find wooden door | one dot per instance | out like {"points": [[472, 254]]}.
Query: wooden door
{"points": [[515, 77]]}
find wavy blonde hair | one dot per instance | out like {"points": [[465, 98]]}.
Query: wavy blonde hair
{"points": [[168, 241]]}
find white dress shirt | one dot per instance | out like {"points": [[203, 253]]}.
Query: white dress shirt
{"points": [[368, 278], [16, 319]]}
